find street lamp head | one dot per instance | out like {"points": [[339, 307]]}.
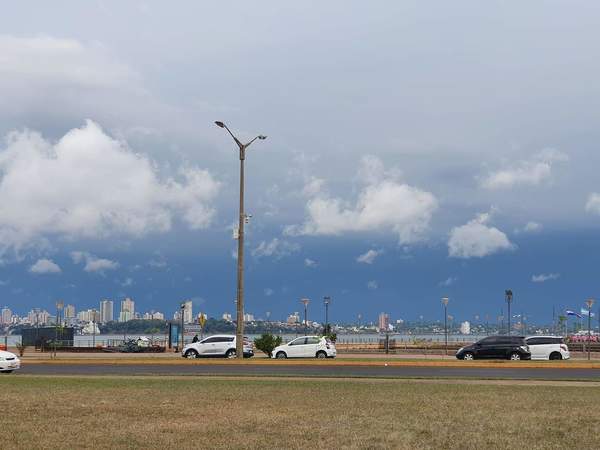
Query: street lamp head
{"points": [[445, 301], [262, 137], [508, 293], [220, 124], [305, 301], [327, 300], [589, 302]]}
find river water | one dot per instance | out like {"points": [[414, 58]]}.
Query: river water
{"points": [[116, 339]]}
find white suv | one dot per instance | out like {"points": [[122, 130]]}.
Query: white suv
{"points": [[9, 362], [547, 347], [306, 347], [217, 345]]}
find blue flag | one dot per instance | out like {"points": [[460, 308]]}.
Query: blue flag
{"points": [[572, 313]]}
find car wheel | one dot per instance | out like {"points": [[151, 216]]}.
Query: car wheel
{"points": [[515, 357], [281, 355], [7, 371], [191, 354], [468, 356], [555, 356], [321, 355], [230, 353]]}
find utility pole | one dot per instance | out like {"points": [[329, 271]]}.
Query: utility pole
{"points": [[508, 295], [239, 334], [445, 301], [326, 302], [305, 302], [589, 302], [181, 311]]}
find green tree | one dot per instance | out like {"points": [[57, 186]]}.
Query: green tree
{"points": [[267, 342]]}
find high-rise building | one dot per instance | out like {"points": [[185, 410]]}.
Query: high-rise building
{"points": [[6, 316], [69, 312], [38, 317], [188, 316], [248, 317], [226, 316], [384, 321], [153, 315], [106, 311], [127, 310]]}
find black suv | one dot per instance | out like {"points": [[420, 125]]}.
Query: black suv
{"points": [[496, 347]]}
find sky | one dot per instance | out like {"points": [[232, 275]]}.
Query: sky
{"points": [[415, 150]]}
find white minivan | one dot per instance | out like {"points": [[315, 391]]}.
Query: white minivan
{"points": [[547, 347], [306, 347]]}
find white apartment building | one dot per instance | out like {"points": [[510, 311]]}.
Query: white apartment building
{"points": [[127, 310], [106, 311]]}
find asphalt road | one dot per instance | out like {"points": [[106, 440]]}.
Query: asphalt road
{"points": [[315, 370]]}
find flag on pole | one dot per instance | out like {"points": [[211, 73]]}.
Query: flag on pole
{"points": [[572, 313], [584, 312]]}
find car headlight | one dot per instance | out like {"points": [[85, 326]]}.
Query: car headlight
{"points": [[524, 348], [459, 350], [2, 358]]}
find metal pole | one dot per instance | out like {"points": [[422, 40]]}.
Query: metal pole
{"points": [[509, 295], [239, 334], [445, 303], [305, 319], [590, 303], [446, 327], [239, 344], [589, 341], [182, 309], [326, 300]]}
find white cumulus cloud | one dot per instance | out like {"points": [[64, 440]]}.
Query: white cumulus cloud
{"points": [[383, 203], [542, 277], [88, 185], [372, 285], [530, 172], [310, 262], [44, 265], [477, 239], [369, 256], [276, 248], [93, 263], [593, 203], [449, 281]]}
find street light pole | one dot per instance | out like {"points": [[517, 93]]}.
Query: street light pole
{"points": [[239, 342], [181, 311], [93, 328], [445, 301], [59, 307], [508, 295], [589, 302], [305, 302], [327, 301]]}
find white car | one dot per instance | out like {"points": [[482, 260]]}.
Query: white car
{"points": [[547, 347], [217, 345], [9, 362], [306, 347]]}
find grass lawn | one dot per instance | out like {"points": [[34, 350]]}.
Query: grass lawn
{"points": [[189, 412]]}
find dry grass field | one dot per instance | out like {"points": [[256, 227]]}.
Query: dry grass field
{"points": [[189, 412]]}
